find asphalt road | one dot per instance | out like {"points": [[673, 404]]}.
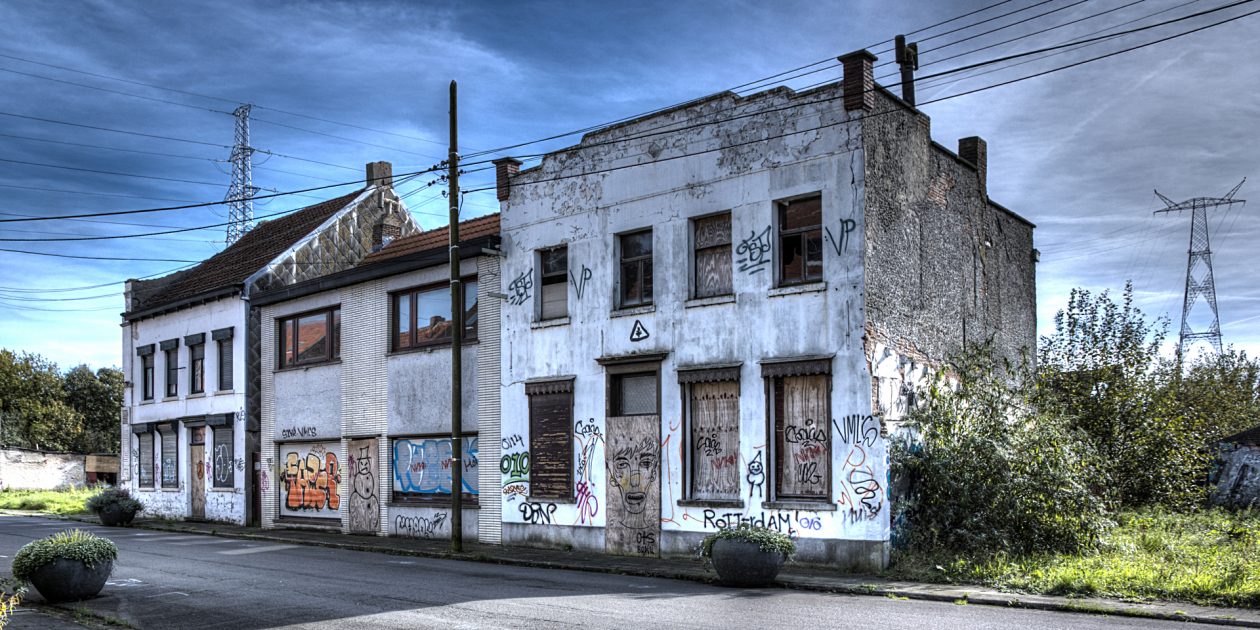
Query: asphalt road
{"points": [[165, 580]]}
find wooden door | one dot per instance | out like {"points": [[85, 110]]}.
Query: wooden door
{"points": [[365, 505], [632, 454], [197, 487]]}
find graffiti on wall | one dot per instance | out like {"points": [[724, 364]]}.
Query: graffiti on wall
{"points": [[639, 332], [632, 457], [588, 438], [519, 289], [423, 465], [537, 513], [579, 281], [310, 480], [298, 433], [715, 440], [754, 252], [756, 476], [841, 244], [419, 526], [365, 506], [514, 466], [861, 495]]}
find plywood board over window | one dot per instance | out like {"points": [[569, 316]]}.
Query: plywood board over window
{"points": [[713, 256], [802, 437], [714, 449]]}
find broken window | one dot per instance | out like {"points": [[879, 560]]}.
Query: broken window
{"points": [[422, 317], [554, 268], [802, 430], [550, 463], [636, 268], [713, 431], [196, 368], [800, 240], [713, 255], [145, 455], [310, 338]]}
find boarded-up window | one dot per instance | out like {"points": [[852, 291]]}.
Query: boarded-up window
{"points": [[713, 256], [551, 441], [145, 455], [224, 459], [800, 239], [802, 437], [225, 364], [170, 457], [636, 268], [554, 268], [422, 466], [713, 415]]}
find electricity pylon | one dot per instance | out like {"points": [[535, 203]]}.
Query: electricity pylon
{"points": [[1203, 286], [241, 193]]}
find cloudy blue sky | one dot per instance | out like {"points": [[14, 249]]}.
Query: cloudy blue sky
{"points": [[1078, 152]]}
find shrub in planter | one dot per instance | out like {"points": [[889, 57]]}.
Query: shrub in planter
{"points": [[66, 566], [114, 506], [747, 555]]}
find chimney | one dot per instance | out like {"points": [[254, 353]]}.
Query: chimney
{"points": [[974, 151], [504, 169], [381, 174], [859, 80], [386, 229]]}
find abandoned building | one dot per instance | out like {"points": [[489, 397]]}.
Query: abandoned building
{"points": [[356, 392], [712, 314], [190, 352], [1237, 473]]}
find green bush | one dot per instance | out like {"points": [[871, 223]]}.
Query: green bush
{"points": [[988, 473], [120, 497], [72, 544], [767, 539]]}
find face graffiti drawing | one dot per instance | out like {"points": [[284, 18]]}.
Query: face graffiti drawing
{"points": [[633, 471]]}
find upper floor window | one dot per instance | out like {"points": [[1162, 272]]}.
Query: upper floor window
{"points": [[553, 265], [310, 338], [636, 268], [225, 364], [146, 374], [422, 317], [712, 262], [172, 371], [800, 240], [197, 368]]}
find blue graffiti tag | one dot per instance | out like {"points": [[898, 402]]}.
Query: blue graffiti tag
{"points": [[424, 466]]}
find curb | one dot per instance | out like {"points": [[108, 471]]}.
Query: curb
{"points": [[803, 583]]}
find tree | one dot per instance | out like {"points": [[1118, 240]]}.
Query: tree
{"points": [[33, 409], [98, 398]]}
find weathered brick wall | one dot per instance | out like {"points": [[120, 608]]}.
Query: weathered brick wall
{"points": [[945, 267]]}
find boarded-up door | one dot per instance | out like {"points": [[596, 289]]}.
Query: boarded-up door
{"points": [[365, 506], [197, 489], [633, 457]]}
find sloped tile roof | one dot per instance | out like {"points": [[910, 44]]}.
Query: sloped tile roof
{"points": [[1250, 437], [241, 259], [435, 238]]}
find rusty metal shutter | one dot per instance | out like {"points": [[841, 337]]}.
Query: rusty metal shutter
{"points": [[551, 445], [225, 364]]}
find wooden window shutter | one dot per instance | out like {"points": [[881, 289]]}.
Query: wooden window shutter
{"points": [[551, 445]]}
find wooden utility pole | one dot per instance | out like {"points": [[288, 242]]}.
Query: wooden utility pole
{"points": [[457, 343]]}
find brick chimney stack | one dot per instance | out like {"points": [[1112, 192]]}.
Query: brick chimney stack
{"points": [[380, 173], [385, 230], [859, 80], [504, 169], [974, 150]]}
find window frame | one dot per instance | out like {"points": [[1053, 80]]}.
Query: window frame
{"points": [[173, 432], [397, 497], [224, 348], [696, 250], [171, 369], [332, 332], [561, 387], [413, 296], [774, 457], [802, 233], [148, 377], [140, 460], [545, 278], [197, 368], [617, 374], [643, 262]]}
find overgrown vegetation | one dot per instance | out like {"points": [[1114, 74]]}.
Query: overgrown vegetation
{"points": [[1209, 557], [766, 539], [43, 409], [120, 497], [75, 544], [71, 501], [1018, 478]]}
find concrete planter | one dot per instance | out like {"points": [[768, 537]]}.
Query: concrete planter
{"points": [[743, 563], [66, 580], [115, 516]]}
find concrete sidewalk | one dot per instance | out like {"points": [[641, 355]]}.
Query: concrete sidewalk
{"points": [[792, 576]]}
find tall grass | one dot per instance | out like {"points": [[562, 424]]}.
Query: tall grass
{"points": [[1211, 557], [72, 501]]}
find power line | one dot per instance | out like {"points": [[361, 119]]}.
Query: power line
{"points": [[130, 133], [119, 92], [92, 286], [84, 192], [342, 138], [114, 173]]}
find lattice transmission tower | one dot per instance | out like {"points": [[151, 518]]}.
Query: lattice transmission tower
{"points": [[241, 193], [1200, 282]]}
